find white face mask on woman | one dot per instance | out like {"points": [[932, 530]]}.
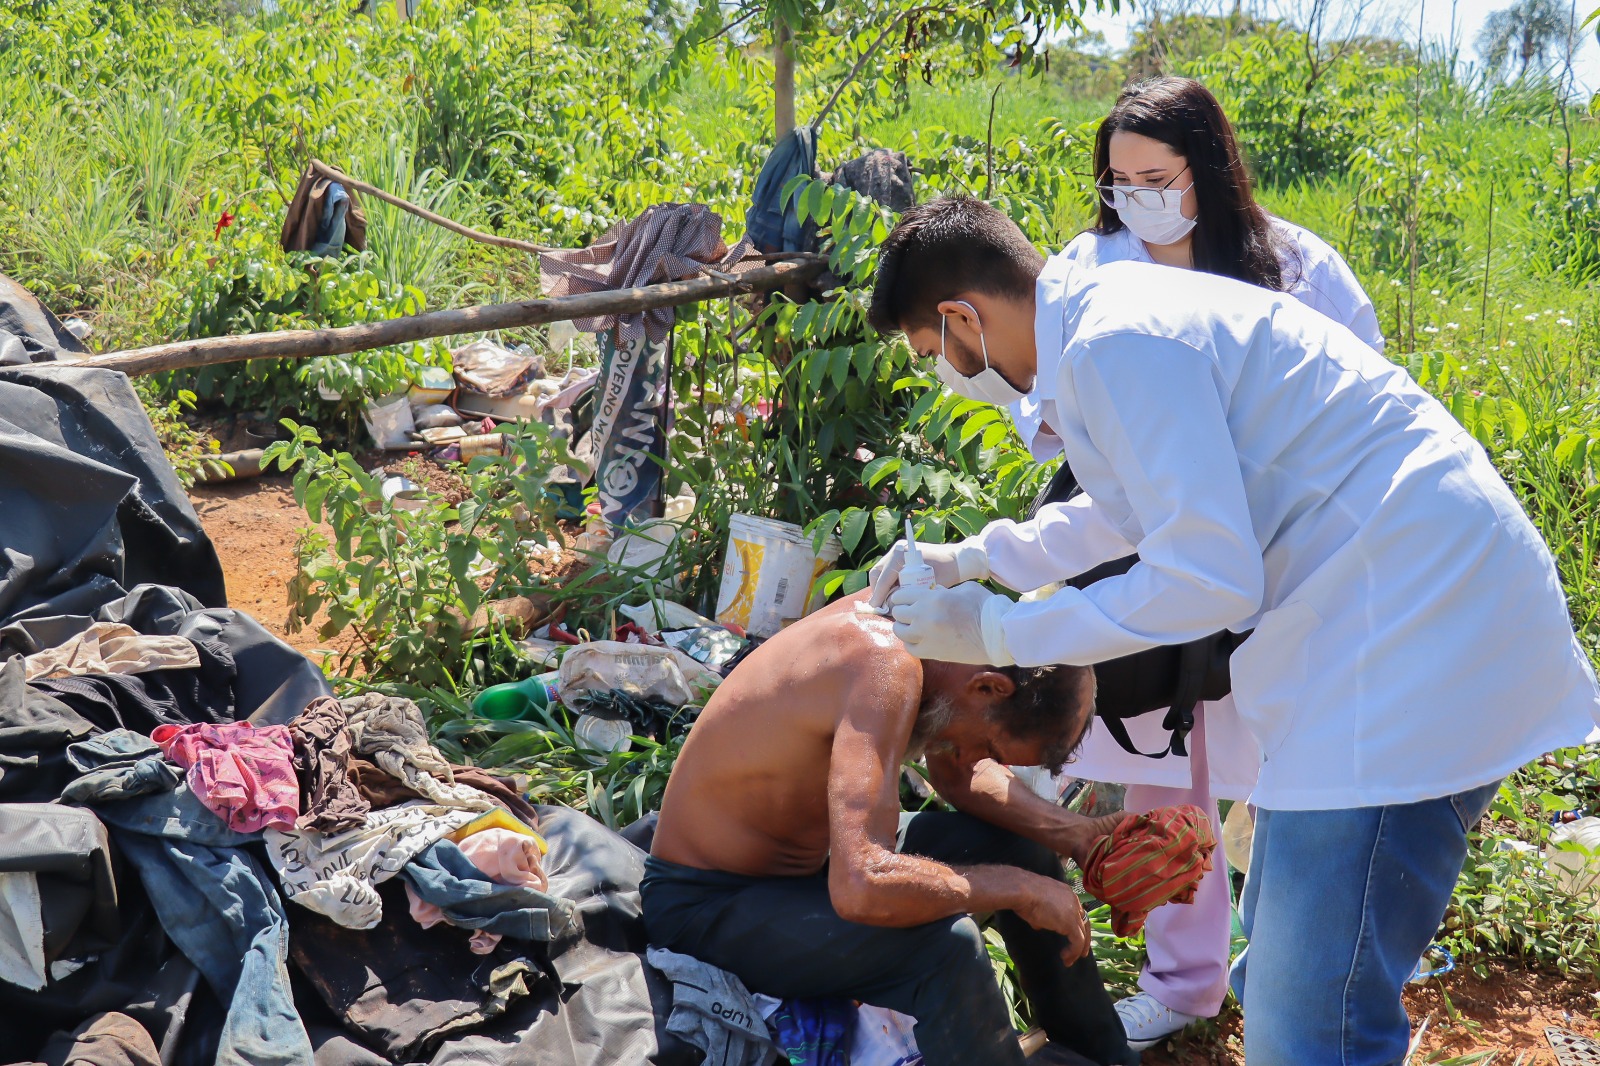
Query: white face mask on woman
{"points": [[986, 386], [1154, 215]]}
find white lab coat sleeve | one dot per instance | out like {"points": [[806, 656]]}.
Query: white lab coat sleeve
{"points": [[1344, 300], [1063, 541], [1153, 408]]}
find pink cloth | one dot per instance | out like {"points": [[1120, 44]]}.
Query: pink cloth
{"points": [[507, 857], [501, 855], [243, 775], [1187, 946]]}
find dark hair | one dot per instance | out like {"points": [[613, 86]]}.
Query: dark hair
{"points": [[940, 249], [1233, 235], [1053, 705]]}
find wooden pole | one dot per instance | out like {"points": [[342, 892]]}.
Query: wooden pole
{"points": [[307, 343], [423, 213], [782, 79]]}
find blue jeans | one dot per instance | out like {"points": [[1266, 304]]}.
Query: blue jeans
{"points": [[218, 904], [1339, 906]]}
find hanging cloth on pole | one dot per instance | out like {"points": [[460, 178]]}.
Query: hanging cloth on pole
{"points": [[633, 404]]}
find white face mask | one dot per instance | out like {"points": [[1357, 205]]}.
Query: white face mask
{"points": [[1155, 225], [986, 386]]}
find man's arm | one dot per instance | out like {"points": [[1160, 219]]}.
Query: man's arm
{"points": [[990, 791], [868, 881]]}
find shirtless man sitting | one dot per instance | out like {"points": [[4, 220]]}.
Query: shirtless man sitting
{"points": [[782, 855]]}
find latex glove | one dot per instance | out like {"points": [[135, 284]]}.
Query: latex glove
{"points": [[965, 560], [959, 625]]}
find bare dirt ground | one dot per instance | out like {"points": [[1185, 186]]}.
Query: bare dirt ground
{"points": [[1507, 1014], [256, 523]]}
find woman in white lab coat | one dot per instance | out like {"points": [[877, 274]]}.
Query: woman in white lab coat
{"points": [[1174, 190]]}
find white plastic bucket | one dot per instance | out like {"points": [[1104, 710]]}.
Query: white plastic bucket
{"points": [[768, 574]]}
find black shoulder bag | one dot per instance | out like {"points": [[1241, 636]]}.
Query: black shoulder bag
{"points": [[1175, 676]]}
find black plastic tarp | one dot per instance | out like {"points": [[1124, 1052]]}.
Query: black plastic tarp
{"points": [[91, 507]]}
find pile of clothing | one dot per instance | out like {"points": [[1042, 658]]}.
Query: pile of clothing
{"points": [[204, 858], [226, 885]]}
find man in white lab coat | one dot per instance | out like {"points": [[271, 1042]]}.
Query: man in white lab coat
{"points": [[1411, 640]]}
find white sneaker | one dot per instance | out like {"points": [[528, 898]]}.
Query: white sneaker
{"points": [[1148, 1021]]}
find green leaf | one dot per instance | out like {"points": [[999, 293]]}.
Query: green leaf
{"points": [[879, 468], [969, 521], [911, 479], [975, 425], [886, 526], [864, 357], [853, 526], [818, 530], [841, 367], [994, 435]]}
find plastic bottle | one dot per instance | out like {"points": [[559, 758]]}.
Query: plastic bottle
{"points": [[915, 574]]}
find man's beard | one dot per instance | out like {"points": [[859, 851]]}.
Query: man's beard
{"points": [[932, 719]]}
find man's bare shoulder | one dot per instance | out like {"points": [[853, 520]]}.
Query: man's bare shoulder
{"points": [[873, 663]]}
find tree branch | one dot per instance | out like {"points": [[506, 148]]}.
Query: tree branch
{"points": [[423, 213], [861, 60], [308, 343]]}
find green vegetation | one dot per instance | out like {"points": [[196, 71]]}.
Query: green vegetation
{"points": [[147, 155]]}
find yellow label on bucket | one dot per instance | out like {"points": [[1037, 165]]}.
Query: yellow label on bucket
{"points": [[750, 558]]}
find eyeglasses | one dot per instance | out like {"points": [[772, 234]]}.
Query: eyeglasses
{"points": [[1150, 197]]}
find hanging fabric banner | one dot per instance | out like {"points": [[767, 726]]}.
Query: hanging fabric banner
{"points": [[631, 414]]}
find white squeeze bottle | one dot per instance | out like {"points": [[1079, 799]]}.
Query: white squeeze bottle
{"points": [[915, 574]]}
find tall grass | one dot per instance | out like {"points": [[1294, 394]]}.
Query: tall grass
{"points": [[158, 141], [406, 250]]}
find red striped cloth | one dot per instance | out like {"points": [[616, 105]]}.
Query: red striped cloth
{"points": [[1148, 860]]}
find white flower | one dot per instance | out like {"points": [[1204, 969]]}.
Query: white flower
{"points": [[1452, 325], [1435, 292], [1430, 329], [1530, 318], [1563, 321], [1511, 344]]}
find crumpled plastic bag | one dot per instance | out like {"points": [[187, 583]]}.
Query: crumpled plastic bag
{"points": [[640, 670]]}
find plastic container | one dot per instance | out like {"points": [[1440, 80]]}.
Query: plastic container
{"points": [[482, 444], [768, 574], [603, 736], [434, 385], [518, 699]]}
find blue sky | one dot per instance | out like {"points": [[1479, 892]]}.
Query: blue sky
{"points": [[1390, 17]]}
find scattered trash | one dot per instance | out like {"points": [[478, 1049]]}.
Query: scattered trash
{"points": [[660, 615], [488, 368], [403, 493], [541, 652], [519, 699], [389, 421], [642, 548], [653, 718], [638, 670], [605, 736], [434, 385], [481, 444], [1446, 964], [711, 644], [1574, 856], [768, 574], [1571, 1049], [77, 327], [435, 416], [231, 466]]}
